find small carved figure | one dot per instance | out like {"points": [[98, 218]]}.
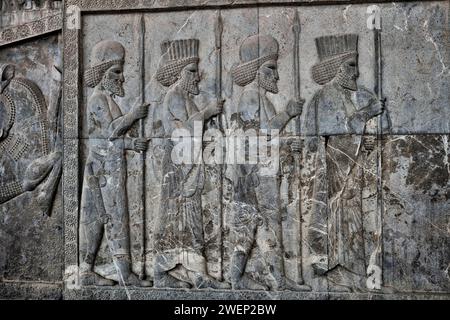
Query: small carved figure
{"points": [[104, 197], [257, 196], [179, 227], [27, 162], [340, 111]]}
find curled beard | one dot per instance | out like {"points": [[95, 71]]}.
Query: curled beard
{"points": [[114, 86], [189, 84], [346, 81], [268, 83]]}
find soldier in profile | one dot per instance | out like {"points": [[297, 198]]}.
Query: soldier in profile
{"points": [[179, 226], [336, 122], [256, 194], [104, 206]]}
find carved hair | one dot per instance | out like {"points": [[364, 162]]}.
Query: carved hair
{"points": [[254, 52], [176, 55], [95, 74], [245, 73], [333, 51], [105, 54], [327, 70], [168, 74]]}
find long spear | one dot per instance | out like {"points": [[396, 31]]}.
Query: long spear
{"points": [[218, 31], [378, 75], [296, 28], [143, 153]]}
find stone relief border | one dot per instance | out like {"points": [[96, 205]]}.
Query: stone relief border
{"points": [[117, 5], [72, 92], [31, 29]]}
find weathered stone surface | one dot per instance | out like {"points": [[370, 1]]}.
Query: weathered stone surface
{"points": [[31, 246], [351, 201]]}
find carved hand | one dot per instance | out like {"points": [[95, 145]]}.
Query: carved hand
{"points": [[216, 109], [296, 146], [376, 109], [369, 143], [140, 112], [295, 108], [140, 144]]}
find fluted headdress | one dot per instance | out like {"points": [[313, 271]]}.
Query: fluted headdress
{"points": [[254, 52], [333, 51], [175, 56], [105, 54]]}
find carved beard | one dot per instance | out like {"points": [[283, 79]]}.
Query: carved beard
{"points": [[114, 86], [268, 83], [347, 81], [188, 83]]}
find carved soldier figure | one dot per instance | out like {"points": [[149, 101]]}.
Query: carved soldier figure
{"points": [[339, 112], [28, 160], [256, 195], [179, 232], [104, 197]]}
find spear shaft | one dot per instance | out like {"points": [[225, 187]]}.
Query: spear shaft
{"points": [[218, 31], [143, 153], [378, 72], [296, 28]]}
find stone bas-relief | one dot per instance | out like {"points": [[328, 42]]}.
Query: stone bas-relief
{"points": [[350, 201], [340, 107], [256, 191], [179, 225], [104, 203], [28, 163], [31, 166]]}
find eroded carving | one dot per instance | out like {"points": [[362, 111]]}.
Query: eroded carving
{"points": [[336, 123], [31, 156], [104, 208]]}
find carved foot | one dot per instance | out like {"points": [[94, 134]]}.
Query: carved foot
{"points": [[133, 280], [167, 281], [332, 287], [290, 285], [207, 282], [247, 283], [91, 278]]}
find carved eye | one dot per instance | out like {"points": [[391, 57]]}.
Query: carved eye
{"points": [[117, 71], [271, 67], [352, 64]]}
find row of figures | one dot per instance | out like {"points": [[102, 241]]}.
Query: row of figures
{"points": [[7, 6], [339, 111]]}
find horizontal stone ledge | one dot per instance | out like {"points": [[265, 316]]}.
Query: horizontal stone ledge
{"points": [[31, 290], [91, 6], [119, 293]]}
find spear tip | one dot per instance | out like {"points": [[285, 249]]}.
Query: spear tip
{"points": [[219, 23], [296, 26]]}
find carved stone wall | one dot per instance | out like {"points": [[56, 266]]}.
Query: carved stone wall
{"points": [[353, 201]]}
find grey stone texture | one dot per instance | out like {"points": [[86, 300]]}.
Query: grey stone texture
{"points": [[93, 204]]}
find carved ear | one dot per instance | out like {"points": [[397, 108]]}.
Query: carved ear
{"points": [[8, 72]]}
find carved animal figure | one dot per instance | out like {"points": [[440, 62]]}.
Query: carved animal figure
{"points": [[27, 161]]}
